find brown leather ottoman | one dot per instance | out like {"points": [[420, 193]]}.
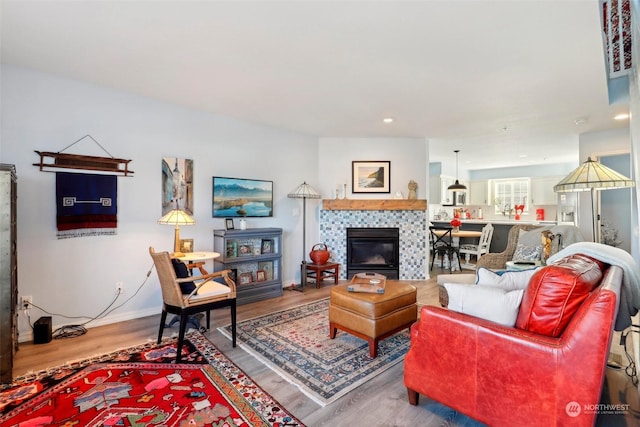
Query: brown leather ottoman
{"points": [[372, 316]]}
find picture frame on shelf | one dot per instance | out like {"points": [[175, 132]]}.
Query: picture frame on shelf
{"points": [[232, 249], [186, 245], [245, 278], [371, 176], [261, 276], [267, 246], [228, 224], [267, 267], [245, 249]]}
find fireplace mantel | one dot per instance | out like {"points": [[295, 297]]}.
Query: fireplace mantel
{"points": [[374, 205]]}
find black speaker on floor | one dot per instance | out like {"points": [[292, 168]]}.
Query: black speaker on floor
{"points": [[42, 330]]}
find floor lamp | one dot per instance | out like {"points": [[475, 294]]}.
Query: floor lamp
{"points": [[593, 176], [303, 191]]}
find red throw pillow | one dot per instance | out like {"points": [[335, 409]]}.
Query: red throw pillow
{"points": [[556, 292]]}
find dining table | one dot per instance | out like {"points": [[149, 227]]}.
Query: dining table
{"points": [[456, 235]]}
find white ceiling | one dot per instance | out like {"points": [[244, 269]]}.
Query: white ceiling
{"points": [[456, 72]]}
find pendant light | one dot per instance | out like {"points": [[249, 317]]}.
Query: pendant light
{"points": [[457, 186]]}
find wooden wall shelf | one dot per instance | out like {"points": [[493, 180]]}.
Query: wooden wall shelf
{"points": [[77, 161], [374, 204]]}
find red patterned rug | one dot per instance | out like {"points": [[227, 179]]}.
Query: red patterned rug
{"points": [[140, 386]]}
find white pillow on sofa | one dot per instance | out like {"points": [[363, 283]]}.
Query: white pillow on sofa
{"points": [[493, 304], [507, 280]]}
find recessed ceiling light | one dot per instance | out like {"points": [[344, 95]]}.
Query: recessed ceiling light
{"points": [[522, 156], [580, 121], [388, 120], [622, 116]]}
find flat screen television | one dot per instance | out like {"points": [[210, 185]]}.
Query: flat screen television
{"points": [[238, 197]]}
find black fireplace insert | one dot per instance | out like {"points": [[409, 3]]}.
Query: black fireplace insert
{"points": [[373, 250]]}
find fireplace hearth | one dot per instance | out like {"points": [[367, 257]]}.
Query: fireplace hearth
{"points": [[373, 250]]}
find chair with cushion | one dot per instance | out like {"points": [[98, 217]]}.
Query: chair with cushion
{"points": [[190, 295], [543, 370], [480, 249], [498, 260], [441, 241]]}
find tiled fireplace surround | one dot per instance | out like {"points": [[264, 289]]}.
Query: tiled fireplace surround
{"points": [[411, 222]]}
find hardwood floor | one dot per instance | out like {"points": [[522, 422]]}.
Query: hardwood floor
{"points": [[380, 402]]}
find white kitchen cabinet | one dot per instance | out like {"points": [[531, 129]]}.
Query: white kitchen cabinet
{"points": [[446, 196], [438, 190], [542, 190], [478, 193]]}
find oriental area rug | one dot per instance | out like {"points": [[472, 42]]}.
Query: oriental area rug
{"points": [[295, 343], [141, 386]]}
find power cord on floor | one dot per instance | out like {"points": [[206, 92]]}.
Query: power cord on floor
{"points": [[72, 331], [631, 369]]}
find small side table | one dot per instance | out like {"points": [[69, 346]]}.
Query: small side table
{"points": [[197, 260], [319, 272]]}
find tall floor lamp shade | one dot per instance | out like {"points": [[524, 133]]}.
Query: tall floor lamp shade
{"points": [[303, 191], [593, 176], [177, 217]]}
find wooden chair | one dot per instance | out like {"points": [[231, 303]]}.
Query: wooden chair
{"points": [[208, 294], [442, 244], [481, 248]]}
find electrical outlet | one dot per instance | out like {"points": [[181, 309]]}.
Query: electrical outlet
{"points": [[27, 302], [119, 287]]}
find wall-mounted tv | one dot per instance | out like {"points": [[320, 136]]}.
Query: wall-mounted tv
{"points": [[237, 197]]}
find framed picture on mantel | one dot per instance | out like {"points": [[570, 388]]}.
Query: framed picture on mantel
{"points": [[371, 176]]}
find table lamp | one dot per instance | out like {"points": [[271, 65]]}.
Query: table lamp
{"points": [[177, 217]]}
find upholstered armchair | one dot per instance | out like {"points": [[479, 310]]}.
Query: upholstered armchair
{"points": [[498, 260], [546, 370]]}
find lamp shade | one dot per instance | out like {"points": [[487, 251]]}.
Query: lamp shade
{"points": [[177, 217], [592, 175], [457, 186], [304, 191]]}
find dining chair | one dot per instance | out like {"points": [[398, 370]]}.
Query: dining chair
{"points": [[207, 293], [479, 249], [441, 239]]}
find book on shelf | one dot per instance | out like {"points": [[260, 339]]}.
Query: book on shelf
{"points": [[372, 283]]}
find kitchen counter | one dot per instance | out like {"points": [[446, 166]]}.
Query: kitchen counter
{"points": [[498, 221], [501, 228]]}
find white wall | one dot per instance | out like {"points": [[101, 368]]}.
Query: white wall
{"points": [[76, 277], [409, 159]]}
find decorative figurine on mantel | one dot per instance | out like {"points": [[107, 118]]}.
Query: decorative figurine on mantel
{"points": [[413, 186]]}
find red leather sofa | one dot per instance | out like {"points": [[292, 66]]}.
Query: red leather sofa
{"points": [[548, 370]]}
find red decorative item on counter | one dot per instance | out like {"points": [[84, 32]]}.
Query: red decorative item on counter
{"points": [[455, 223]]}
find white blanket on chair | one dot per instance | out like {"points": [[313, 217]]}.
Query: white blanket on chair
{"points": [[630, 293]]}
